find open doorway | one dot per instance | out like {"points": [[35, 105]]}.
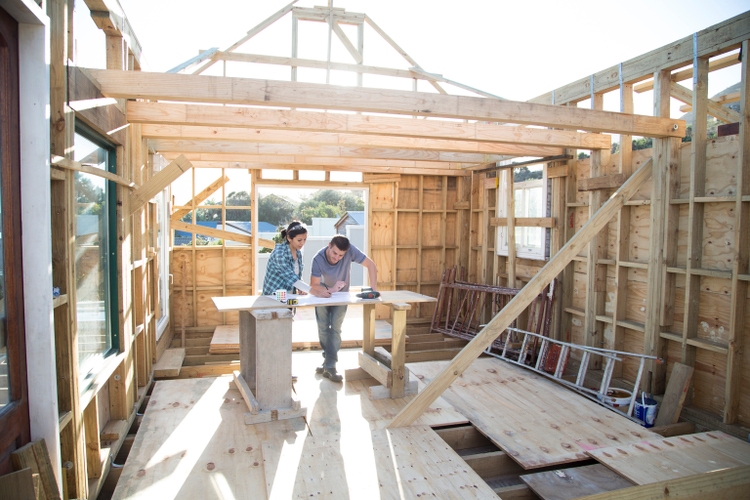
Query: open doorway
{"points": [[325, 211]]}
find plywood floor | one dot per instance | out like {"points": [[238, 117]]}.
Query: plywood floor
{"points": [[193, 444]]}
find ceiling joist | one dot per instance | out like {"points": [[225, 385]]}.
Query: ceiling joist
{"points": [[294, 120], [228, 90]]}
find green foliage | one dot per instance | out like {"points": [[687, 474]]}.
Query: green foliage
{"points": [[583, 156], [521, 174], [643, 143], [329, 203], [236, 199], [275, 209], [615, 148], [89, 198]]}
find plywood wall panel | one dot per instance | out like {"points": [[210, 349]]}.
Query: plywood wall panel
{"points": [[431, 228], [640, 223], [406, 266], [635, 305], [408, 192], [239, 266], [209, 267], [381, 229], [381, 195], [718, 236], [431, 268], [408, 228], [432, 192], [709, 380]]}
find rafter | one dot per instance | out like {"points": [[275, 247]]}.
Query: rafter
{"points": [[278, 119]]}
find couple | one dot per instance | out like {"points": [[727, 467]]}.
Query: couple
{"points": [[331, 269]]}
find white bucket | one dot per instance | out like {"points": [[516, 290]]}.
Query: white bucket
{"points": [[616, 397], [645, 411]]}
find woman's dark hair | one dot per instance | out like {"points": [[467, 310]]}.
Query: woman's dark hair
{"points": [[293, 229]]}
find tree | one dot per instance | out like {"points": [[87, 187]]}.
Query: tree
{"points": [[238, 198], [329, 203], [275, 209]]}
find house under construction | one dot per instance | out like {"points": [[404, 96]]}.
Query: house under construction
{"points": [[487, 369]]}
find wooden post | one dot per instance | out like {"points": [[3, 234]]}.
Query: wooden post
{"points": [[500, 322], [398, 348], [368, 328]]}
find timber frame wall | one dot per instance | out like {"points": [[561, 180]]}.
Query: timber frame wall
{"points": [[675, 258]]}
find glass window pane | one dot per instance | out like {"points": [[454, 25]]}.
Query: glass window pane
{"points": [[91, 256]]}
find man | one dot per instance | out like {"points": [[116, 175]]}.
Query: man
{"points": [[331, 272]]}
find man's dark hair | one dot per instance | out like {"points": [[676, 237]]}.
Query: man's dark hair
{"points": [[341, 242]]}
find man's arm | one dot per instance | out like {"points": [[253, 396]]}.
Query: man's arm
{"points": [[372, 272], [318, 289]]}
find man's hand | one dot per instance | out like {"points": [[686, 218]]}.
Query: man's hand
{"points": [[320, 291]]}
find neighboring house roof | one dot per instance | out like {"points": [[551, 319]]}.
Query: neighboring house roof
{"points": [[355, 217]]}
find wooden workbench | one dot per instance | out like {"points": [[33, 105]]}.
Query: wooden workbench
{"points": [[264, 329]]}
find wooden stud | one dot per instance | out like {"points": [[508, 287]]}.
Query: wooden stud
{"points": [[741, 264]]}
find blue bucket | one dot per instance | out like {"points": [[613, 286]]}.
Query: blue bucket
{"points": [[645, 411]]}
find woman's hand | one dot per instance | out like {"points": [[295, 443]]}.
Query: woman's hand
{"points": [[338, 286]]}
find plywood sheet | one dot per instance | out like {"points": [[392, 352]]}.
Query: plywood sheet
{"points": [[574, 482], [193, 444], [536, 421], [659, 459]]}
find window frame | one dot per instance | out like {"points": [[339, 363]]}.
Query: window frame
{"points": [[523, 252], [113, 321]]}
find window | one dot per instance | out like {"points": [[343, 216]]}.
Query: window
{"points": [[530, 199], [95, 253], [162, 252]]}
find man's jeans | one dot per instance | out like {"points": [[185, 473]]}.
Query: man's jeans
{"points": [[330, 319]]}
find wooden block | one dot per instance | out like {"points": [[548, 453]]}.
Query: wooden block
{"points": [[273, 415], [376, 369], [380, 392], [352, 374], [493, 464], [35, 456], [114, 430], [170, 363], [247, 394], [613, 181], [18, 485], [674, 396]]}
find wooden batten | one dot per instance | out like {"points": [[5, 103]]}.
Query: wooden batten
{"points": [[158, 182]]}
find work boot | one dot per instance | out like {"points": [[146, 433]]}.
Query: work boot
{"points": [[330, 373], [319, 369]]}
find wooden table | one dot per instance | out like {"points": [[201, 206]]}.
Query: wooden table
{"points": [[266, 329]]}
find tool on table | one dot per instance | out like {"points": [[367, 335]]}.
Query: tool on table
{"points": [[368, 293]]}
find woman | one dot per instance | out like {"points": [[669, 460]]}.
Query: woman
{"points": [[284, 271]]}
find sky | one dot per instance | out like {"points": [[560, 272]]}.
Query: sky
{"points": [[517, 50]]}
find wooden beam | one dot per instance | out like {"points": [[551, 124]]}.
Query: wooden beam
{"points": [[334, 151], [686, 74], [347, 43], [608, 182], [59, 161], [159, 113], [719, 100], [525, 222], [527, 294], [200, 197], [325, 163], [712, 108], [260, 136], [220, 233], [158, 182], [110, 18], [216, 89], [713, 40]]}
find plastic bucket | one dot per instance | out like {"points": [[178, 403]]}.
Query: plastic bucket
{"points": [[645, 411], [616, 397]]}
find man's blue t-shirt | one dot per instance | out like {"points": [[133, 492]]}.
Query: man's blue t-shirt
{"points": [[341, 271]]}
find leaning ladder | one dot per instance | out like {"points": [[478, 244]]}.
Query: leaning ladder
{"points": [[563, 351]]}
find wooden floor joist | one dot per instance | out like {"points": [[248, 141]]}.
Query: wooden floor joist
{"points": [[506, 316]]}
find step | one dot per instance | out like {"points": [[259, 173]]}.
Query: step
{"points": [[170, 363]]}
